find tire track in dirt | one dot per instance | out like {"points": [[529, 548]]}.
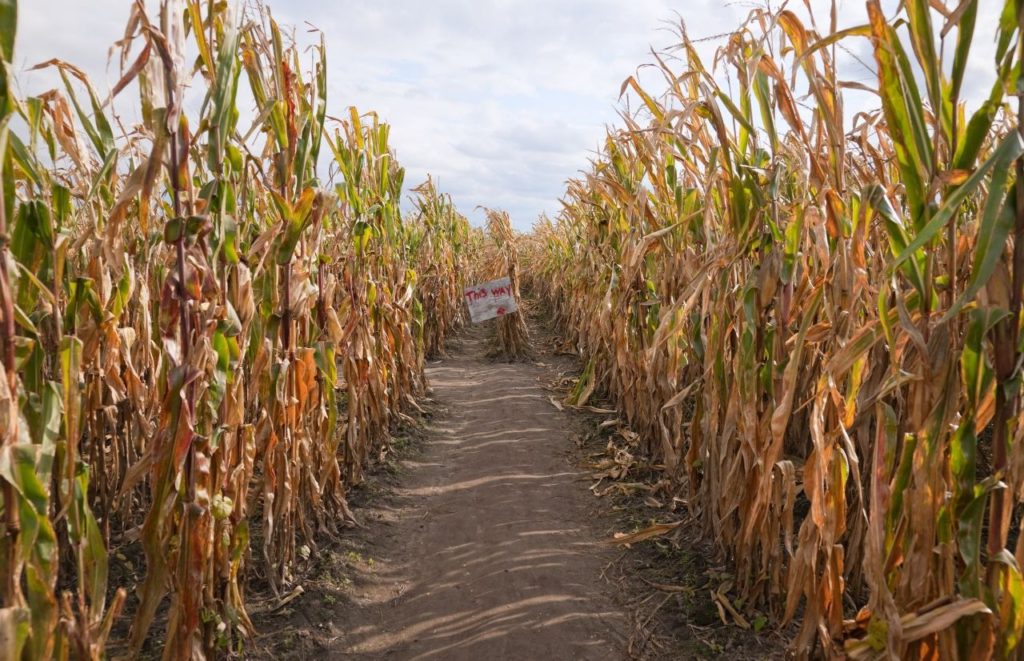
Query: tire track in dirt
{"points": [[488, 552]]}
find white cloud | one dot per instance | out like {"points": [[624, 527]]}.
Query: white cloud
{"points": [[501, 100]]}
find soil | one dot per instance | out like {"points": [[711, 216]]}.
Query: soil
{"points": [[483, 541]]}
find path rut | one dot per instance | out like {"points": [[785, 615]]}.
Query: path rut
{"points": [[488, 551]]}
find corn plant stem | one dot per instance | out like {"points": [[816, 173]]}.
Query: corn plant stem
{"points": [[209, 587], [183, 320], [286, 317], [12, 524], [184, 326], [1006, 408]]}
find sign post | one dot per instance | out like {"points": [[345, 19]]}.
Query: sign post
{"points": [[490, 299]]}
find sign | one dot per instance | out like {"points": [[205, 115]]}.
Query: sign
{"points": [[491, 299]]}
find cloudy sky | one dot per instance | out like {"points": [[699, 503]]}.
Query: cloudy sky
{"points": [[501, 100]]}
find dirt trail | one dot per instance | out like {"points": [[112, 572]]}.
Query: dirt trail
{"points": [[487, 551]]}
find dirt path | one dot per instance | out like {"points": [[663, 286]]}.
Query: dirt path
{"points": [[486, 553]]}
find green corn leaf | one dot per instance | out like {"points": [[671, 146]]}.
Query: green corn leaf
{"points": [[998, 218], [903, 109], [965, 35], [1008, 151]]}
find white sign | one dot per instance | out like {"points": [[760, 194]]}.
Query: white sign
{"points": [[491, 299]]}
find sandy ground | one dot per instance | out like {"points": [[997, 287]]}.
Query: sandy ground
{"points": [[487, 551]]}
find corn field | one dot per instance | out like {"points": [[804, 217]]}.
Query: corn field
{"points": [[810, 320], [813, 321], [209, 327]]}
